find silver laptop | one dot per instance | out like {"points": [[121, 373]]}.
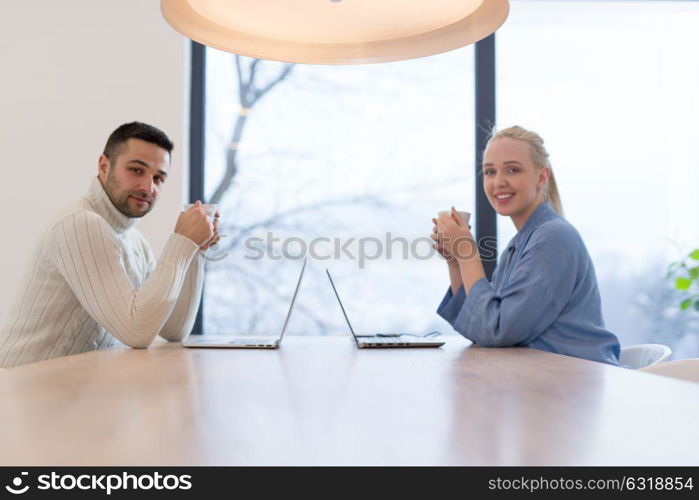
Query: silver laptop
{"points": [[248, 342], [387, 339]]}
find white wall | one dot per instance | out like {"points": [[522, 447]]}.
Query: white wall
{"points": [[71, 71]]}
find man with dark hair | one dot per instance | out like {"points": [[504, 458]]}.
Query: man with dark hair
{"points": [[94, 281], [134, 134], [136, 130]]}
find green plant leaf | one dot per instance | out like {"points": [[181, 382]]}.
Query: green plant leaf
{"points": [[683, 283], [694, 255], [686, 303], [694, 273]]}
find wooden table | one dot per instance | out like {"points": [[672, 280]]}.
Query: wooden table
{"points": [[319, 400]]}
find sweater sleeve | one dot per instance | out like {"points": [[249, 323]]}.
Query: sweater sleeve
{"points": [[181, 321], [85, 251]]}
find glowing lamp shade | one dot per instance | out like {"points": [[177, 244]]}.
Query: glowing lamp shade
{"points": [[335, 31]]}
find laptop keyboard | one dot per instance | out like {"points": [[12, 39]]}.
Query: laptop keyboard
{"points": [[386, 340], [252, 341]]}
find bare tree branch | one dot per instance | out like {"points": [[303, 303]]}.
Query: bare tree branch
{"points": [[231, 160], [276, 218], [248, 96], [241, 87], [285, 72]]}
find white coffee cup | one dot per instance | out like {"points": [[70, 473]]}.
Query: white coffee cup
{"points": [[465, 216], [209, 208]]}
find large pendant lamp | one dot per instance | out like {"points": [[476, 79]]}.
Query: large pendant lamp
{"points": [[335, 31]]}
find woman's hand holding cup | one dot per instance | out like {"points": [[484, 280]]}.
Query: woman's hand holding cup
{"points": [[453, 235]]}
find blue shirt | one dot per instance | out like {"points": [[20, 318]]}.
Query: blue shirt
{"points": [[545, 297]]}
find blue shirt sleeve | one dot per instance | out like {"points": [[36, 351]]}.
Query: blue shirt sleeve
{"points": [[451, 305], [539, 286]]}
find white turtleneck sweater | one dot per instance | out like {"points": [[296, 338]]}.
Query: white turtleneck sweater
{"points": [[93, 282]]}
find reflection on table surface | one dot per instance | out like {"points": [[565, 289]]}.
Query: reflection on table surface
{"points": [[320, 400]]}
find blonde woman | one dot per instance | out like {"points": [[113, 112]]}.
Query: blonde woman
{"points": [[544, 291]]}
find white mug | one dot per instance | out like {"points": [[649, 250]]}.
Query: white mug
{"points": [[209, 208], [465, 216]]}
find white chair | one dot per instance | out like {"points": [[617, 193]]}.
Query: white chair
{"points": [[684, 369], [643, 355]]}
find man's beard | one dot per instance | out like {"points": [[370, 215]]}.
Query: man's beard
{"points": [[120, 198]]}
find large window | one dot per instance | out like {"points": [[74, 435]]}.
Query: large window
{"points": [[349, 161], [361, 157], [612, 88]]}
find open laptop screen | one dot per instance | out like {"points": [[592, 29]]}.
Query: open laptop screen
{"points": [[342, 307]]}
